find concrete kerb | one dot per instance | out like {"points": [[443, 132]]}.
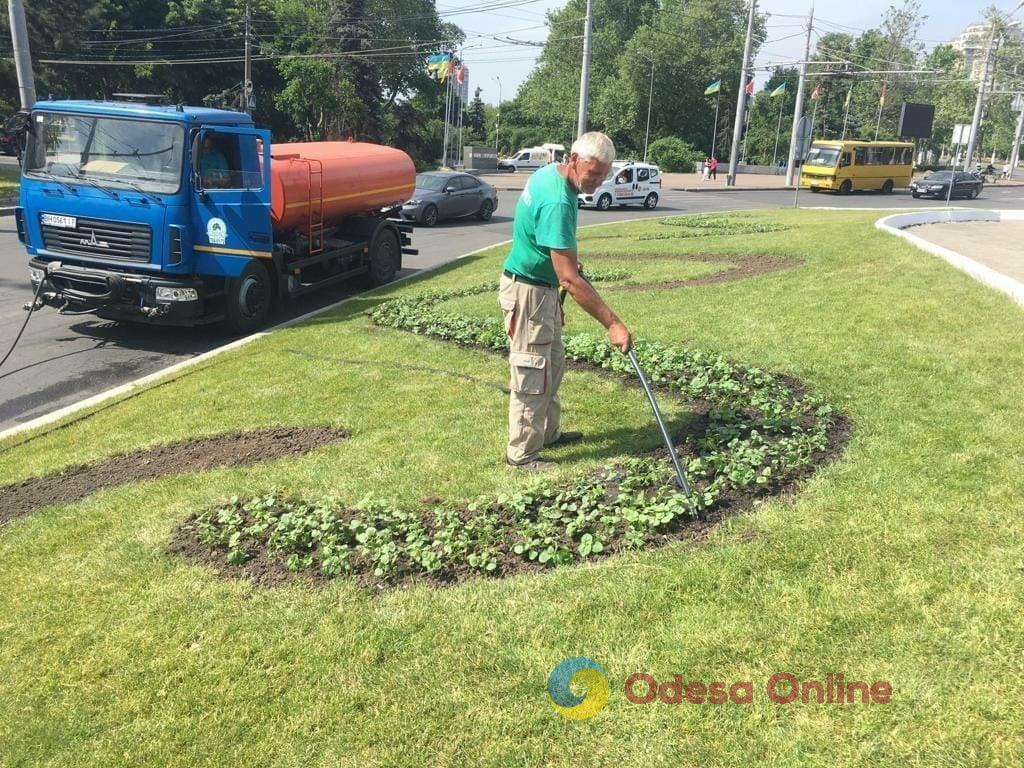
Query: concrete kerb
{"points": [[164, 373], [897, 225]]}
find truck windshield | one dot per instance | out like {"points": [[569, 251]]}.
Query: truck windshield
{"points": [[822, 156], [106, 150]]}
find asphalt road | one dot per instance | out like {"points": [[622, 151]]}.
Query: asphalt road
{"points": [[61, 360]]}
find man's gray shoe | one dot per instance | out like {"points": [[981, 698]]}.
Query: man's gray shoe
{"points": [[566, 438], [537, 465]]}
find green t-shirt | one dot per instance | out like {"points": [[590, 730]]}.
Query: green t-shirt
{"points": [[545, 219]]}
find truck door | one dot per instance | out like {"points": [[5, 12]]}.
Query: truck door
{"points": [[231, 198]]}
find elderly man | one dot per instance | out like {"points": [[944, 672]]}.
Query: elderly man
{"points": [[543, 257]]}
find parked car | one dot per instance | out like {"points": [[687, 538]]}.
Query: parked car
{"points": [[449, 195], [937, 185], [629, 183], [532, 158], [8, 143]]}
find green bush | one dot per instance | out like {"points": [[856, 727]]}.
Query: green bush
{"points": [[674, 155]]}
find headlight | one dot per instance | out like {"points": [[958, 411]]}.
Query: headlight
{"points": [[177, 294], [413, 202], [36, 275], [934, 187]]}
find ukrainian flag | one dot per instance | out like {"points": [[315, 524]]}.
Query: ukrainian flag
{"points": [[778, 91], [713, 88]]}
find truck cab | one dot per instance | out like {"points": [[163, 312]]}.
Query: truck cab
{"points": [[153, 212]]}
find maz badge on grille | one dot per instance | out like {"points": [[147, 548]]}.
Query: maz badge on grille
{"points": [[53, 220], [93, 242]]}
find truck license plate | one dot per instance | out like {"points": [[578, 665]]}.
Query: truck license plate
{"points": [[53, 220]]}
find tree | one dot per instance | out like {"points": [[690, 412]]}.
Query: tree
{"points": [[476, 120]]}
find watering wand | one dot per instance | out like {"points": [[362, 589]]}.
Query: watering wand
{"points": [[676, 465]]}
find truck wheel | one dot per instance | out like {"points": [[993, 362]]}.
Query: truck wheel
{"points": [[486, 209], [385, 258], [604, 202], [248, 299], [887, 187], [651, 201], [846, 187], [429, 217]]}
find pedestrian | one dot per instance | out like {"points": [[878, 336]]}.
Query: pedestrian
{"points": [[542, 258], [1006, 171], [713, 164], [707, 168]]}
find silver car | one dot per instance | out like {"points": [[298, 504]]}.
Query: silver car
{"points": [[449, 195]]}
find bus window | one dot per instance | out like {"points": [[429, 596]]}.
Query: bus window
{"points": [[845, 159], [822, 157], [861, 155]]}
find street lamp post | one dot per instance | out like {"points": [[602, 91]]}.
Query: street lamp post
{"points": [[650, 97]]}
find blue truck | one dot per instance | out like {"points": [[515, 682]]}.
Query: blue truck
{"points": [[133, 209]]}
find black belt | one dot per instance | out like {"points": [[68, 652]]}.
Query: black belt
{"points": [[527, 280]]}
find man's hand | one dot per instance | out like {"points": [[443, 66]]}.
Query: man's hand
{"points": [[618, 335]]}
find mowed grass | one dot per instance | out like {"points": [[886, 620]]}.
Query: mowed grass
{"points": [[902, 561], [10, 180]]}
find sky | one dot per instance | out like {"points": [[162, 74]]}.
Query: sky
{"points": [[490, 59]]}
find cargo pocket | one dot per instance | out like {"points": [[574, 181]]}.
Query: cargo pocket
{"points": [[508, 311], [541, 326], [529, 373]]}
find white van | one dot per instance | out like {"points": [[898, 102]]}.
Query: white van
{"points": [[629, 183], [533, 157]]}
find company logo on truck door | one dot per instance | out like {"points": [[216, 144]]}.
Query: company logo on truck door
{"points": [[93, 242], [217, 231]]}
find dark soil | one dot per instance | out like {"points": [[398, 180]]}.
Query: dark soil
{"points": [[745, 266], [266, 570], [236, 449]]}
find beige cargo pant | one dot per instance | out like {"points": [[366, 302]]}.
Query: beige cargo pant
{"points": [[533, 322]]}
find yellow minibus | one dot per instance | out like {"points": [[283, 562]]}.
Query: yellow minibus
{"points": [[846, 166]]}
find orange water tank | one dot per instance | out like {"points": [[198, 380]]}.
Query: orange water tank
{"points": [[358, 177]]}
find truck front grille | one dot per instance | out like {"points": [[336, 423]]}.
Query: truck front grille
{"points": [[119, 240]]}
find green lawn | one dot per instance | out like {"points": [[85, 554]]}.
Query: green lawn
{"points": [[10, 180], [902, 561]]}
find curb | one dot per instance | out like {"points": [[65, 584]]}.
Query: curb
{"points": [[897, 224], [156, 376]]}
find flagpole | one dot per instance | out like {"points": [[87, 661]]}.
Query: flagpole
{"points": [[778, 131], [447, 110], [746, 128], [846, 117], [814, 114], [881, 103], [714, 134]]}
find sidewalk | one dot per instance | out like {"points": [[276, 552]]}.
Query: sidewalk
{"points": [[692, 182], [994, 244], [675, 182]]}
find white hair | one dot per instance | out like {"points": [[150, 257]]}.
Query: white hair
{"points": [[594, 146]]}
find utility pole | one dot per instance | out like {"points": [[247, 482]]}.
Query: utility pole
{"points": [[741, 101], [1015, 152], [588, 23], [972, 140], [247, 99], [22, 56], [799, 111]]}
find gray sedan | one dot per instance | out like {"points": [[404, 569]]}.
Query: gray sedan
{"points": [[448, 195]]}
